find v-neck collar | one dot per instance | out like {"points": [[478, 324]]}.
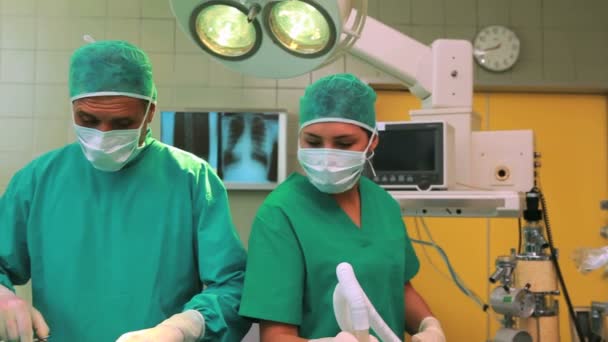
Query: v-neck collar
{"points": [[362, 206], [330, 203]]}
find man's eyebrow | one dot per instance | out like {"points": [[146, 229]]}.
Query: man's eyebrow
{"points": [[121, 118]]}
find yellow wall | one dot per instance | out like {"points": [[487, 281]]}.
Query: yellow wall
{"points": [[571, 133]]}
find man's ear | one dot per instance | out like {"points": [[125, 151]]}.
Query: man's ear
{"points": [[151, 112]]}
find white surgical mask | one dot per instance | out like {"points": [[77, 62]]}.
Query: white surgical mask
{"points": [[333, 171], [110, 151]]}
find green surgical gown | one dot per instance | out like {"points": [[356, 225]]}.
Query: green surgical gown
{"points": [[113, 252], [298, 238]]}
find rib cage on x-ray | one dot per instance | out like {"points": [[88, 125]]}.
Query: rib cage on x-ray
{"points": [[249, 147], [242, 147]]}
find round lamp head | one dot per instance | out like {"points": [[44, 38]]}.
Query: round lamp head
{"points": [[265, 38], [221, 28], [301, 28]]}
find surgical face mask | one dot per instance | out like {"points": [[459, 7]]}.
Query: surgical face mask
{"points": [[333, 171], [110, 151]]}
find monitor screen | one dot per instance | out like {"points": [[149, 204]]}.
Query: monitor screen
{"points": [[406, 150], [247, 149]]}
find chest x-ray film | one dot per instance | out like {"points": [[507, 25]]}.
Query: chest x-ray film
{"points": [[247, 149]]}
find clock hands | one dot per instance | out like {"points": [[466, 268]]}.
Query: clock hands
{"points": [[493, 47], [485, 51]]}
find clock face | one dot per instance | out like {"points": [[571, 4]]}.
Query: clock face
{"points": [[496, 48]]}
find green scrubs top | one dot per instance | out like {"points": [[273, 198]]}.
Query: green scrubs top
{"points": [[298, 238], [113, 252]]}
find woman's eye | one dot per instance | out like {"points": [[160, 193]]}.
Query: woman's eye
{"points": [[344, 145]]}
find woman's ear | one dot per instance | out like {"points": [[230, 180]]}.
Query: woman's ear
{"points": [[375, 142]]}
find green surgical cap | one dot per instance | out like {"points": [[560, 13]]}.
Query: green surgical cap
{"points": [[339, 98], [111, 67]]}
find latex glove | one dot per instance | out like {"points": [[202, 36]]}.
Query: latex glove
{"points": [[589, 259], [188, 326], [343, 337], [429, 331], [19, 320]]}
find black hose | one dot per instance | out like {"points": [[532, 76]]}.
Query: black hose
{"points": [[519, 236], [579, 331]]}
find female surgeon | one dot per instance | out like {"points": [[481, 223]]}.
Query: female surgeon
{"points": [[309, 225]]}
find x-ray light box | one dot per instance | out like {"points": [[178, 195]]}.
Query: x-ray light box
{"points": [[247, 149]]}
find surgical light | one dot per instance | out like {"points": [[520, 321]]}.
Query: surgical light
{"points": [[225, 31], [272, 38], [301, 28]]}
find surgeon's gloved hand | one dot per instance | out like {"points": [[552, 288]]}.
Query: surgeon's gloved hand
{"points": [[18, 319], [589, 259], [188, 326], [429, 331], [343, 337]]}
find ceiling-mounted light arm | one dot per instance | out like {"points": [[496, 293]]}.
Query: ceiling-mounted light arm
{"points": [[441, 75], [403, 58], [353, 15], [302, 35]]}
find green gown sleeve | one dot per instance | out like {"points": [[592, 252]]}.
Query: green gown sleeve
{"points": [[275, 269], [412, 264], [14, 211], [221, 262]]}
